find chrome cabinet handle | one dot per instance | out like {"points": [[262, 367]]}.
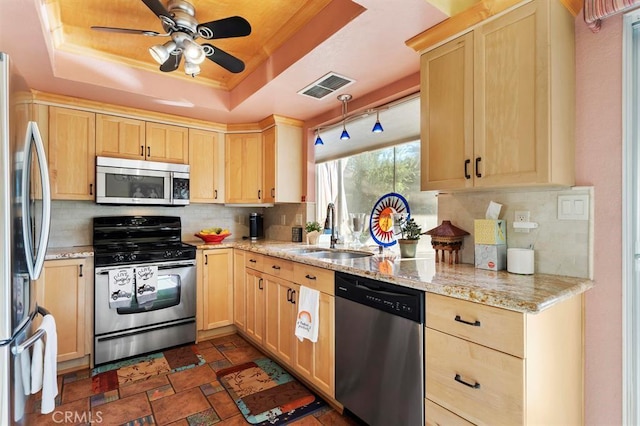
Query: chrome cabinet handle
{"points": [[458, 379], [476, 323]]}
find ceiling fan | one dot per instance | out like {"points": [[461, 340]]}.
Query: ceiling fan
{"points": [[179, 22]]}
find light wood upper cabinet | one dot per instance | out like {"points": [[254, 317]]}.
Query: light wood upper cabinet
{"points": [[243, 168], [282, 151], [206, 161], [217, 288], [447, 115], [72, 154], [167, 143], [523, 131], [61, 290], [120, 137]]}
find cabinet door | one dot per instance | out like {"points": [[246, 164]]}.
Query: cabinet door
{"points": [[243, 168], [218, 288], [61, 290], [447, 115], [72, 154], [511, 123], [283, 163], [239, 290], [280, 317], [167, 143], [206, 161], [120, 137], [255, 305], [316, 361]]}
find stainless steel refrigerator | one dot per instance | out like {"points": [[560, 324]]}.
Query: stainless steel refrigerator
{"points": [[25, 206]]}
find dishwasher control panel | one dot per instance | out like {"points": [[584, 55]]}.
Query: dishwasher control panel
{"points": [[402, 301]]}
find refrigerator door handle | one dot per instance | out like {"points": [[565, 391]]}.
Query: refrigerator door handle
{"points": [[35, 265], [18, 349]]}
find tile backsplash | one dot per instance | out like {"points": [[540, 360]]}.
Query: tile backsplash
{"points": [[562, 247], [71, 221]]}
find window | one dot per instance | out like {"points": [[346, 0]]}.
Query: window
{"points": [[355, 183]]}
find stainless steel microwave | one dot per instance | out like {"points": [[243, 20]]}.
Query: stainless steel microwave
{"points": [[137, 182]]}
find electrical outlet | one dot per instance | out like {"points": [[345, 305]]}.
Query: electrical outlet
{"points": [[521, 216]]}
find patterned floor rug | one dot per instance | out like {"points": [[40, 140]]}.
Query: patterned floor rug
{"points": [[266, 394], [111, 376]]}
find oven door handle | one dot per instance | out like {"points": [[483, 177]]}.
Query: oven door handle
{"points": [[105, 270]]}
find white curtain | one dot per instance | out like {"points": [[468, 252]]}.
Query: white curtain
{"points": [[331, 190]]}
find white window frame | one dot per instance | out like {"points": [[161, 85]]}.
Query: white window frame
{"points": [[630, 211]]}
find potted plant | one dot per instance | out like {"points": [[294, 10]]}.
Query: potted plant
{"points": [[410, 235], [314, 229]]}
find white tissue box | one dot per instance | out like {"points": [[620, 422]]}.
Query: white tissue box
{"points": [[491, 256]]}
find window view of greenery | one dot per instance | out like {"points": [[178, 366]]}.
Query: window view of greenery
{"points": [[360, 180]]}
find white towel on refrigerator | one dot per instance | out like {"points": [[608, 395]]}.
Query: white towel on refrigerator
{"points": [[146, 284], [121, 287], [49, 371], [308, 319]]}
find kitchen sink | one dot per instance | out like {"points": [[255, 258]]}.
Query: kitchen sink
{"points": [[305, 251], [339, 255]]}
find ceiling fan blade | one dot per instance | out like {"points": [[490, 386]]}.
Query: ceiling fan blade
{"points": [[157, 8], [225, 60], [127, 31], [234, 26], [172, 63]]}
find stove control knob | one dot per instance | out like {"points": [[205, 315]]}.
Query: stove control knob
{"points": [[178, 253], [132, 256], [167, 254], [118, 258]]}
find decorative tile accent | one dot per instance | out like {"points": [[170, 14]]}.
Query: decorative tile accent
{"points": [[76, 375], [203, 418], [103, 398], [211, 388], [146, 420], [220, 364], [160, 392]]}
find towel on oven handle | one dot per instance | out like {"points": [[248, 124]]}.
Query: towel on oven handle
{"points": [[121, 287], [146, 284]]}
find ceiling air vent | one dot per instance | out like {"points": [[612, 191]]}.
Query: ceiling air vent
{"points": [[326, 85]]}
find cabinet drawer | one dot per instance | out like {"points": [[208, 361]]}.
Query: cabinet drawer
{"points": [[278, 267], [486, 325], [312, 277], [254, 261], [482, 385], [435, 415]]}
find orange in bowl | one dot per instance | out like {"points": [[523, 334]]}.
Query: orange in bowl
{"points": [[212, 238]]}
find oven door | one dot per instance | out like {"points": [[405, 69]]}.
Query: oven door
{"points": [[176, 299], [119, 185]]}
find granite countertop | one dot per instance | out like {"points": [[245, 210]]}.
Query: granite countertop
{"points": [[522, 293], [55, 253]]}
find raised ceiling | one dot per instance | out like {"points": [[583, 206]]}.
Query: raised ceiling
{"points": [[292, 44]]}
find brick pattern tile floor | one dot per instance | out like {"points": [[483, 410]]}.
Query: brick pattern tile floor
{"points": [[186, 398]]}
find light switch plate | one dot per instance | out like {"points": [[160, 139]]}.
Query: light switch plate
{"points": [[573, 207]]}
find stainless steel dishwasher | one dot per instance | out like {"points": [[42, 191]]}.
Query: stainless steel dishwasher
{"points": [[379, 351]]}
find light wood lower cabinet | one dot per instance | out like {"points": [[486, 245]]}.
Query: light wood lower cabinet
{"points": [[493, 366], [239, 290], [215, 288], [61, 289], [272, 290]]}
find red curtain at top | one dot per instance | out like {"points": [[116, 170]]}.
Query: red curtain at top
{"points": [[596, 10]]}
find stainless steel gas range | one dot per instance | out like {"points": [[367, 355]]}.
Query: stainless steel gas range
{"points": [[133, 316]]}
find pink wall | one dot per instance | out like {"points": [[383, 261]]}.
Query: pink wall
{"points": [[599, 163]]}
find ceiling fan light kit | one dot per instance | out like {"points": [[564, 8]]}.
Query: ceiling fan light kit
{"points": [[179, 22]]}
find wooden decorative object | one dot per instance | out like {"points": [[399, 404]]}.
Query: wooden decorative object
{"points": [[447, 238]]}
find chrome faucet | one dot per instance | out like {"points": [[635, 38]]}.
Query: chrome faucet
{"points": [[330, 223]]}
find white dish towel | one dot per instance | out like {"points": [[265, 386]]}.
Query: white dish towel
{"points": [[146, 284], [121, 287], [45, 376], [308, 319]]}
